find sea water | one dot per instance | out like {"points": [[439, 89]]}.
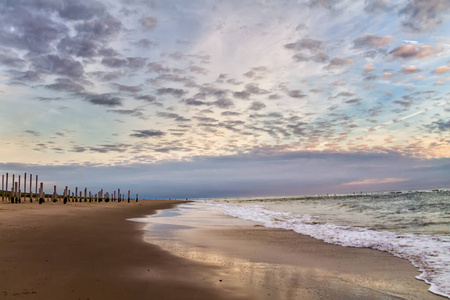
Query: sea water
{"points": [[414, 225]]}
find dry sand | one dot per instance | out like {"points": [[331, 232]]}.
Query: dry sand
{"points": [[90, 251]]}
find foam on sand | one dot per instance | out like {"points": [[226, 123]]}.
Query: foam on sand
{"points": [[431, 254]]}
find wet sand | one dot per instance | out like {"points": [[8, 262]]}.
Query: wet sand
{"points": [[91, 251]]}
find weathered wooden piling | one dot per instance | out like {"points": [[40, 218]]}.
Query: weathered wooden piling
{"points": [[137, 198], [15, 193], [128, 196], [76, 194], [19, 196], [12, 185], [106, 197], [6, 186], [3, 187], [55, 195], [85, 194], [24, 186], [12, 193], [35, 190], [65, 196], [31, 185], [119, 198], [41, 193]]}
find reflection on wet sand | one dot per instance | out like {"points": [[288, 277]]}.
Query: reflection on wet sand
{"points": [[257, 270]]}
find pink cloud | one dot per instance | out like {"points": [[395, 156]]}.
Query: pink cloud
{"points": [[441, 70], [376, 181]]}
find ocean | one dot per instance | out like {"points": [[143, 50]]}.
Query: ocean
{"points": [[414, 225]]}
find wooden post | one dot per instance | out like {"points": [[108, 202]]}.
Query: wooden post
{"points": [[76, 194], [55, 195], [6, 187], [65, 196], [85, 194], [25, 186], [17, 190], [12, 192], [137, 198], [31, 185], [128, 196], [19, 196], [3, 187], [12, 184], [119, 198], [106, 197], [41, 193], [35, 191]]}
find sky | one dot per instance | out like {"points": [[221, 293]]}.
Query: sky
{"points": [[178, 99]]}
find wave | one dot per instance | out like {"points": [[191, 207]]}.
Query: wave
{"points": [[431, 254]]}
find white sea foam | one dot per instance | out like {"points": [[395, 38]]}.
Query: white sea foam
{"points": [[431, 254]]}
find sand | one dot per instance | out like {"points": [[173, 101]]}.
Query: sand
{"points": [[91, 251]]}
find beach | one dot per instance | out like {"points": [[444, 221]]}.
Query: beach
{"points": [[93, 251]]}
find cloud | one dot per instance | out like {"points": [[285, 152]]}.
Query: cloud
{"points": [[230, 113], [171, 91], [65, 85], [439, 126], [338, 62], [127, 88], [147, 98], [441, 70], [130, 112], [105, 100], [371, 41], [11, 59], [319, 57], [32, 32], [376, 181], [378, 6], [194, 102], [410, 69], [410, 52], [100, 29], [308, 44], [296, 94], [369, 67], [147, 133], [33, 132], [257, 105], [404, 103], [110, 148], [57, 65], [79, 46], [223, 103], [130, 62], [423, 15], [146, 43], [244, 95], [148, 23]]}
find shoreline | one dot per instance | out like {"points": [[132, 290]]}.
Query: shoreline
{"points": [[260, 257], [92, 251]]}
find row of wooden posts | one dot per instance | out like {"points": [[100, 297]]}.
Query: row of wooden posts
{"points": [[14, 193]]}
